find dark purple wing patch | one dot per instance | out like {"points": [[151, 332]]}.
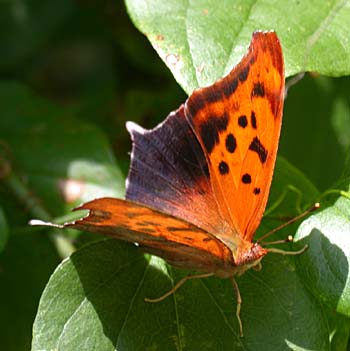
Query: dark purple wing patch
{"points": [[169, 172]]}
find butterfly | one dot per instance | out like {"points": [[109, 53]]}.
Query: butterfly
{"points": [[199, 182]]}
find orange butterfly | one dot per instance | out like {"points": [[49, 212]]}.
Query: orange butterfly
{"points": [[199, 182]]}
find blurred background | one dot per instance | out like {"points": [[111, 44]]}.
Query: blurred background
{"points": [[65, 58]]}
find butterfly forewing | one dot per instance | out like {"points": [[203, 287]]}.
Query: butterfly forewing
{"points": [[169, 172], [179, 242], [237, 121]]}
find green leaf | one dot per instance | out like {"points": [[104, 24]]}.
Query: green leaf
{"points": [[325, 266], [200, 41], [62, 157], [4, 230], [97, 298]]}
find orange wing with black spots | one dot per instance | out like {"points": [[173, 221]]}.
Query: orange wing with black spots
{"points": [[198, 182], [237, 121]]}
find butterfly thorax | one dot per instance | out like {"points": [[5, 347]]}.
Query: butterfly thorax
{"points": [[246, 256]]}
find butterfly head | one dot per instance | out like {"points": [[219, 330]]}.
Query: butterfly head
{"points": [[249, 258]]}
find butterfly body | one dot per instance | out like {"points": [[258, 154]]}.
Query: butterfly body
{"points": [[223, 268], [199, 182]]}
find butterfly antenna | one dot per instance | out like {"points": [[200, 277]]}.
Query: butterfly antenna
{"points": [[288, 239], [283, 225]]}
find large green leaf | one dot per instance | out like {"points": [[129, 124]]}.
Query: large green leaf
{"points": [[201, 40], [97, 298], [325, 267]]}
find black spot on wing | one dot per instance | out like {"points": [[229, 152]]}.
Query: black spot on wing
{"points": [[243, 75], [223, 168], [242, 121], [256, 191], [258, 89], [213, 94], [231, 143], [246, 178], [195, 103], [253, 120], [210, 130], [259, 148], [231, 87]]}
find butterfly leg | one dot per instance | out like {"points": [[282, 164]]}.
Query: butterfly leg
{"points": [[178, 285], [258, 267], [239, 304]]}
